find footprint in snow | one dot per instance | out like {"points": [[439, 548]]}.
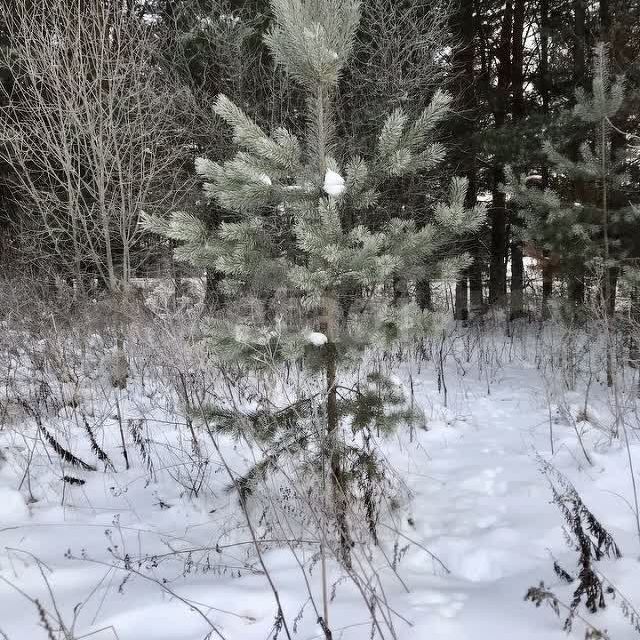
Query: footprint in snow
{"points": [[447, 605], [486, 483]]}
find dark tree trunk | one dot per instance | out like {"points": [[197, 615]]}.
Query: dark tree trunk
{"points": [[497, 264], [634, 330], [213, 295], [576, 288], [517, 61], [518, 112], [579, 42], [461, 311], [400, 290], [423, 295], [498, 212], [547, 283], [465, 154], [576, 277], [476, 296], [605, 20], [611, 290], [517, 280], [545, 82]]}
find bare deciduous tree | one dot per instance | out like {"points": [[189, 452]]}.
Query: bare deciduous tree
{"points": [[94, 132]]}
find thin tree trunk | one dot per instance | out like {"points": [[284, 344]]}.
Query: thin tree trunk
{"points": [[213, 295], [517, 280], [400, 290], [577, 277], [461, 311], [576, 288], [605, 20], [328, 326], [463, 28], [545, 81], [579, 42], [497, 264], [518, 112], [498, 212], [423, 295], [634, 330], [547, 283], [332, 444], [476, 297]]}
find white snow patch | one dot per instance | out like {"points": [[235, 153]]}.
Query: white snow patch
{"points": [[204, 167], [12, 506], [333, 183], [316, 338]]}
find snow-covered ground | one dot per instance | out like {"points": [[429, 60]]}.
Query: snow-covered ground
{"points": [[131, 555]]}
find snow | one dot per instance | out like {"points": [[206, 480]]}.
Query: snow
{"points": [[12, 506], [316, 338], [478, 502], [333, 183], [203, 166]]}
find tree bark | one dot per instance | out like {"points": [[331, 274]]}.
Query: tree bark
{"points": [[497, 264], [518, 112], [498, 212], [517, 280], [576, 287], [605, 20], [423, 295], [465, 155], [634, 330], [461, 310], [545, 82], [332, 444], [213, 295], [476, 294]]}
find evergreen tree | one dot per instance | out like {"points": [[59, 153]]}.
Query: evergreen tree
{"points": [[300, 233], [595, 231]]}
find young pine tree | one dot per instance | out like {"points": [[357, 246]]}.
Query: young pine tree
{"points": [[298, 234]]}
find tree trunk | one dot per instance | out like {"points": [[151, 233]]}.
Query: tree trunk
{"points": [[611, 289], [545, 82], [576, 288], [332, 446], [423, 295], [497, 264], [465, 155], [605, 20], [461, 311], [518, 112], [517, 281], [476, 297], [517, 61], [400, 290], [213, 296], [579, 42], [576, 278], [498, 213], [634, 330]]}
